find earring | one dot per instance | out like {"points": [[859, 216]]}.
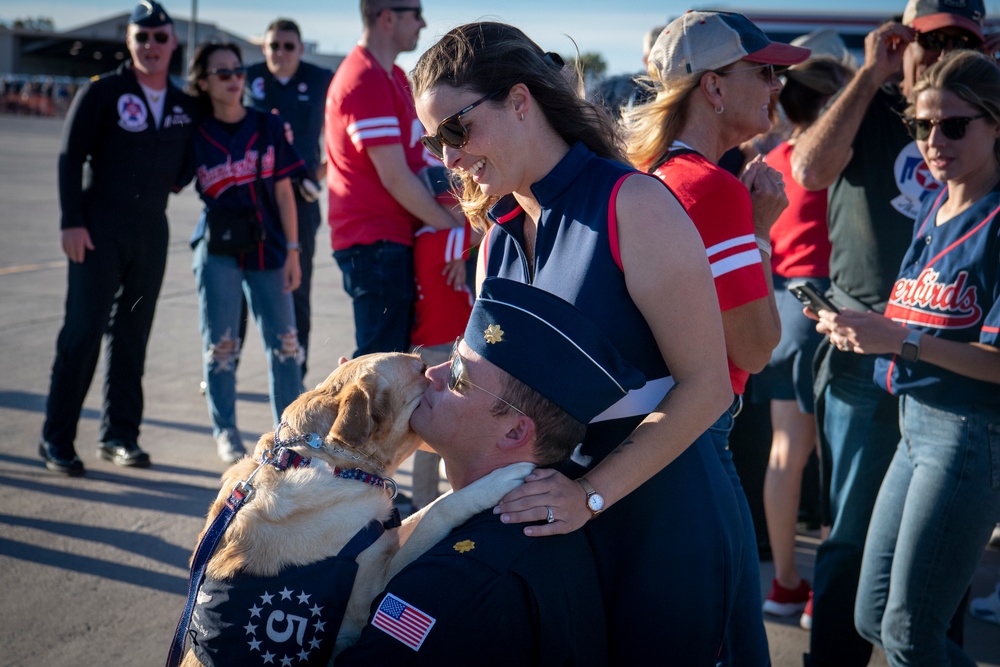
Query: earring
{"points": [[522, 115], [720, 109]]}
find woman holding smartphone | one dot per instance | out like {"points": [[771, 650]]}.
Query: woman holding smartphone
{"points": [[938, 350]]}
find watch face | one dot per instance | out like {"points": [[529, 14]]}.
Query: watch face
{"points": [[595, 502], [909, 352]]}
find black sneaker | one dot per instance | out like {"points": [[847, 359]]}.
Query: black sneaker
{"points": [[71, 465], [123, 453]]}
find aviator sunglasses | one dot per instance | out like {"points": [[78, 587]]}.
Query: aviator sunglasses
{"points": [[452, 131], [158, 37], [225, 74], [953, 128], [283, 46], [459, 376]]}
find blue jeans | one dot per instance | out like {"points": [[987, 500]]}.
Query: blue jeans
{"points": [[937, 507], [221, 284], [745, 642], [861, 429], [379, 280]]}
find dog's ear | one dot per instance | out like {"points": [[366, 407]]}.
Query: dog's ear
{"points": [[354, 424]]}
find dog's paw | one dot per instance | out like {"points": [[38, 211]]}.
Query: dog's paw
{"points": [[487, 491]]}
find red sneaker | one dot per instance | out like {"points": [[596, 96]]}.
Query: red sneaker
{"points": [[806, 620], [782, 601]]}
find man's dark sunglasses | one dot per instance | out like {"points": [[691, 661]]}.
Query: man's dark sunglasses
{"points": [[953, 128], [227, 74], [283, 46], [158, 37], [940, 41], [418, 12], [452, 131]]}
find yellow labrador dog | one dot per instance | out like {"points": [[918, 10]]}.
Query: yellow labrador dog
{"points": [[275, 577]]}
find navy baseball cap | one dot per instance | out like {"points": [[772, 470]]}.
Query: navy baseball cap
{"points": [[551, 346], [703, 41], [928, 15], [149, 14]]}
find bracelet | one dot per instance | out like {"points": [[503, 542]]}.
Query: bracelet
{"points": [[764, 246], [292, 246]]}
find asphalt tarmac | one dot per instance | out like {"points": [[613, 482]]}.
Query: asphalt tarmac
{"points": [[93, 570]]}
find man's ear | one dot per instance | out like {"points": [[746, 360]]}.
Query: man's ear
{"points": [[520, 435]]}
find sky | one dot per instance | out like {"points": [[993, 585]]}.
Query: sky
{"points": [[613, 28]]}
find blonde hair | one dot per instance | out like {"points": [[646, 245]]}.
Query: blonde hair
{"points": [[651, 128], [971, 76], [487, 57]]}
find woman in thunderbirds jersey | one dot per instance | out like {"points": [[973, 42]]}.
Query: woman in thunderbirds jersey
{"points": [[226, 148], [938, 351]]}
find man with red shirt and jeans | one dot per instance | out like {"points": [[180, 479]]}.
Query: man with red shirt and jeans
{"points": [[376, 201]]}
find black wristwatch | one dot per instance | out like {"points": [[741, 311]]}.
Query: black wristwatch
{"points": [[910, 351]]}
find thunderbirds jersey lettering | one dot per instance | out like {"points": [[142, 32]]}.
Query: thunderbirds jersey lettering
{"points": [[948, 287]]}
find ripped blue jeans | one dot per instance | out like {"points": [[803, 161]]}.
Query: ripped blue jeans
{"points": [[221, 284]]}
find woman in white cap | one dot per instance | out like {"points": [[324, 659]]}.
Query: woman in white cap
{"points": [[714, 78], [572, 218]]}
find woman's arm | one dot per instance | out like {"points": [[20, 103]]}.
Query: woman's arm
{"points": [[285, 197], [873, 333], [668, 277]]}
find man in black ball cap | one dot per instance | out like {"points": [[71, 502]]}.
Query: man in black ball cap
{"points": [[132, 128], [529, 373]]}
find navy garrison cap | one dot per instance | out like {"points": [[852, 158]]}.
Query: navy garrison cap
{"points": [[549, 345], [149, 14]]}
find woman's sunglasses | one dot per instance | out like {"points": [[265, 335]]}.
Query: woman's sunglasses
{"points": [[227, 74], [158, 37], [953, 128], [766, 72], [459, 376], [452, 131]]}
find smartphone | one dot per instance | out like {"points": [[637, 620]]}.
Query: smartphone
{"points": [[811, 297]]}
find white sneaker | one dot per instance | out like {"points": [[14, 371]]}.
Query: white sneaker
{"points": [[987, 608], [230, 445]]}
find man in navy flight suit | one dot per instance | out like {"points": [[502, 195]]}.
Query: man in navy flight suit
{"points": [[123, 148]]}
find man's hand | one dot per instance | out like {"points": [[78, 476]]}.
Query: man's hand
{"points": [[75, 243], [884, 48]]}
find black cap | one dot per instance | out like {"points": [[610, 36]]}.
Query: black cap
{"points": [[149, 14], [549, 345]]}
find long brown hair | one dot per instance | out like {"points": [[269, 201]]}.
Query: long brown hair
{"points": [[486, 57]]}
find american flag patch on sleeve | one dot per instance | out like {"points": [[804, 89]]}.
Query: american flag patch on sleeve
{"points": [[403, 621]]}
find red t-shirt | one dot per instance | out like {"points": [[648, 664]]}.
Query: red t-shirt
{"points": [[800, 238], [441, 312], [367, 106], [719, 204]]}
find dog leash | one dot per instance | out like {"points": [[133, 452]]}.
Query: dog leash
{"points": [[282, 459]]}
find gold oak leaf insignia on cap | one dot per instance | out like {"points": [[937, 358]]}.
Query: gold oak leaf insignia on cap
{"points": [[464, 546], [494, 334]]}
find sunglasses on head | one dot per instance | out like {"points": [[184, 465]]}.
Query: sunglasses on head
{"points": [[940, 41], [452, 131], [418, 12], [459, 376], [158, 37], [226, 74], [766, 72], [283, 46], [952, 128]]}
